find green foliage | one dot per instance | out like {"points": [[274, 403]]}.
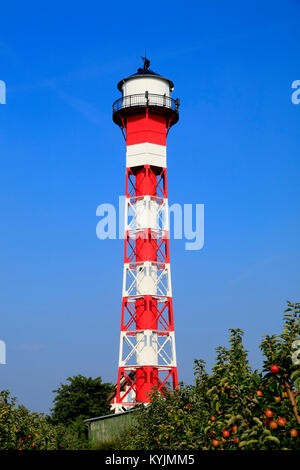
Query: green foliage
{"points": [[278, 349], [22, 430], [112, 444], [81, 398], [233, 398]]}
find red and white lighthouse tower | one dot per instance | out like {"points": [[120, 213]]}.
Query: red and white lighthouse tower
{"points": [[147, 357]]}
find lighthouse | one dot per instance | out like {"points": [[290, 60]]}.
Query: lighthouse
{"points": [[147, 356]]}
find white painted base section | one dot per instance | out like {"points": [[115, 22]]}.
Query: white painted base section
{"points": [[146, 154], [120, 407]]}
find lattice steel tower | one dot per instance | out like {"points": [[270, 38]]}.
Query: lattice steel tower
{"points": [[147, 357]]}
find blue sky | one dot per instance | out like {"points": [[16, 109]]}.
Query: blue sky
{"points": [[235, 149]]}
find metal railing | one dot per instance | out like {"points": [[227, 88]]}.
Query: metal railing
{"points": [[146, 99]]}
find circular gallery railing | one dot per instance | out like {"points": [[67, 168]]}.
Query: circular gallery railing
{"points": [[146, 100]]}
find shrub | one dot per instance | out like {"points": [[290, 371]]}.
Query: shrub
{"points": [[22, 430]]}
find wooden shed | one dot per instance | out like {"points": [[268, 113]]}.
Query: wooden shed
{"points": [[108, 427]]}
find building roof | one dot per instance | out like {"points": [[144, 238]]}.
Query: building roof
{"points": [[144, 72], [112, 415]]}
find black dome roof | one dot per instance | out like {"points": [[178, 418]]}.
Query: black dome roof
{"points": [[143, 72]]}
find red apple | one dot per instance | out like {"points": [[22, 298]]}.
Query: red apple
{"points": [[281, 422], [269, 413]]}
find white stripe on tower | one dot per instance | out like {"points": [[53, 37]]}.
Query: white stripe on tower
{"points": [[146, 154]]}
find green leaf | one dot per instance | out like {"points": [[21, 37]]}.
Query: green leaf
{"points": [[209, 392], [243, 443], [273, 439], [258, 421]]}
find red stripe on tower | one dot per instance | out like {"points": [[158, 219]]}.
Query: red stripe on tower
{"points": [[147, 356]]}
